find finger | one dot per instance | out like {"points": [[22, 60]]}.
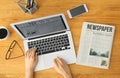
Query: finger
{"points": [[59, 61], [27, 53], [55, 63], [33, 52], [30, 49], [34, 49], [63, 61], [30, 53], [36, 57]]}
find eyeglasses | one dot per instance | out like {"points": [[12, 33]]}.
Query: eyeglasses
{"points": [[9, 51]]}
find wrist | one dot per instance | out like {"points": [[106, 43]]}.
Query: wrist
{"points": [[29, 74], [67, 76], [29, 69]]}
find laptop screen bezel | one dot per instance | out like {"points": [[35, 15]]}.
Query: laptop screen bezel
{"points": [[22, 35]]}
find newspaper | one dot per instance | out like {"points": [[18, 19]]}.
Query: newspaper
{"points": [[95, 45]]}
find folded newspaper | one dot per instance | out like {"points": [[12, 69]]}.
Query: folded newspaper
{"points": [[95, 45]]}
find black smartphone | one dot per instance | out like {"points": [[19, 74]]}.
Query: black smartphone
{"points": [[77, 11]]}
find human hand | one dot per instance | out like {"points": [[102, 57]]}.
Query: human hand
{"points": [[31, 59], [62, 67]]}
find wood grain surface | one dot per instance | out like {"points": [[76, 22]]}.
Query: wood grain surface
{"points": [[100, 11]]}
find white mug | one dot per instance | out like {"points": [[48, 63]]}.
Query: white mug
{"points": [[4, 33]]}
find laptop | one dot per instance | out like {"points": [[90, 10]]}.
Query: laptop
{"points": [[51, 36]]}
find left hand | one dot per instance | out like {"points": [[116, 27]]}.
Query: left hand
{"points": [[31, 59]]}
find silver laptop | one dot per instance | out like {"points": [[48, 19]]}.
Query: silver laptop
{"points": [[51, 36]]}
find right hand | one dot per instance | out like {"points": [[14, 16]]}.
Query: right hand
{"points": [[62, 67]]}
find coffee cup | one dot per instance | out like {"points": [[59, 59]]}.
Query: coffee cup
{"points": [[4, 33]]}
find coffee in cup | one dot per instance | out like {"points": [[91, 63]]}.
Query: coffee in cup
{"points": [[4, 33]]}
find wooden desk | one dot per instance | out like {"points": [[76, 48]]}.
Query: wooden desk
{"points": [[105, 11]]}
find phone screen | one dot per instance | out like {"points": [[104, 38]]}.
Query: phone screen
{"points": [[78, 10]]}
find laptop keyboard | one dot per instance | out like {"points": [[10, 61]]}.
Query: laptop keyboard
{"points": [[50, 45]]}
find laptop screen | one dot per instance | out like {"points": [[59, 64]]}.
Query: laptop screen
{"points": [[39, 27]]}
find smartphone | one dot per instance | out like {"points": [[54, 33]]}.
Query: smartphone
{"points": [[77, 11]]}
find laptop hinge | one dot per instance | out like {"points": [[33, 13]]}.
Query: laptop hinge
{"points": [[46, 35]]}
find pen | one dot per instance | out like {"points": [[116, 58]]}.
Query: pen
{"points": [[28, 4], [32, 2]]}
